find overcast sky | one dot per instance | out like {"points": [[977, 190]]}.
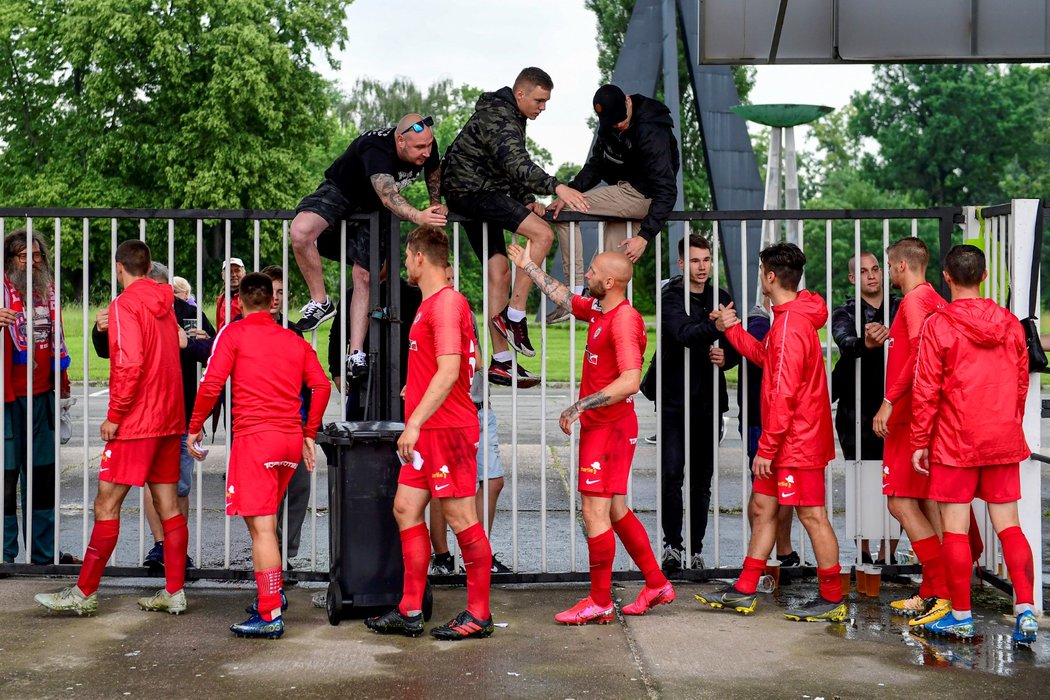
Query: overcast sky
{"points": [[485, 44]]}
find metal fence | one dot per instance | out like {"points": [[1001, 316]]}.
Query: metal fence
{"points": [[539, 520]]}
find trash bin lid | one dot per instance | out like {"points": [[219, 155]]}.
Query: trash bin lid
{"points": [[349, 432]]}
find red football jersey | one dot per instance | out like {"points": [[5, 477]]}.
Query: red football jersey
{"points": [[443, 326], [615, 343], [904, 347]]}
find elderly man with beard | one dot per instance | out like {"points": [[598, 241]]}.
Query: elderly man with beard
{"points": [[37, 352]]}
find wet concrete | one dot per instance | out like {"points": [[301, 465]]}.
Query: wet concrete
{"points": [[677, 651]]}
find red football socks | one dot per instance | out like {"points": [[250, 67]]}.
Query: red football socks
{"points": [[601, 550], [958, 563], [1017, 554], [100, 548], [269, 584], [636, 541], [415, 549], [477, 560], [830, 583], [176, 539], [748, 581], [928, 552]]}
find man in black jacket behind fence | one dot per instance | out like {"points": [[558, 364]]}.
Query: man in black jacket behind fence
{"points": [[868, 348], [630, 174], [691, 328]]}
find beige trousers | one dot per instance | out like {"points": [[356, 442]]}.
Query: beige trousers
{"points": [[620, 201]]}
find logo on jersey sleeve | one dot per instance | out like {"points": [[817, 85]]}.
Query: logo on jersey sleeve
{"points": [[412, 345]]}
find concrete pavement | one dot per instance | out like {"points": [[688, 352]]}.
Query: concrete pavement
{"points": [[677, 651]]}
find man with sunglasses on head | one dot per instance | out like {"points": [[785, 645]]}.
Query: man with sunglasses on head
{"points": [[488, 177], [369, 175]]}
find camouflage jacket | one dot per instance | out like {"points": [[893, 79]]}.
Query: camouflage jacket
{"points": [[489, 154]]}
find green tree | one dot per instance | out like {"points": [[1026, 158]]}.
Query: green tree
{"points": [[950, 133], [181, 104]]}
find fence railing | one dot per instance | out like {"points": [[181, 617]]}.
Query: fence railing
{"points": [[538, 520]]}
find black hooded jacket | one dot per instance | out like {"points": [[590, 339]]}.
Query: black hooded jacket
{"points": [[645, 155], [694, 330]]}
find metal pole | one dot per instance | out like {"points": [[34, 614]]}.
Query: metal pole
{"points": [[56, 367], [85, 292], [28, 304]]}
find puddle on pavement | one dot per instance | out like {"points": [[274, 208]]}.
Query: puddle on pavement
{"points": [[991, 650]]}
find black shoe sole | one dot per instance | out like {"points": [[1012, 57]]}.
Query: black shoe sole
{"points": [[268, 635], [451, 636], [403, 631]]}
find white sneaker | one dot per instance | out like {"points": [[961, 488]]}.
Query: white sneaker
{"points": [[162, 601], [69, 600]]}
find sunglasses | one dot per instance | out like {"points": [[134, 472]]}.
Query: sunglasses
{"points": [[420, 125]]}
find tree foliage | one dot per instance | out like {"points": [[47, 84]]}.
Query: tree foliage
{"points": [[179, 103]]}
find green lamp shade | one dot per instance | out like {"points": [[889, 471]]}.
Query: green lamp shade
{"points": [[781, 115]]}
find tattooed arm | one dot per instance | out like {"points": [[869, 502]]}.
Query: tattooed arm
{"points": [[550, 287], [386, 188], [434, 186], [622, 387]]}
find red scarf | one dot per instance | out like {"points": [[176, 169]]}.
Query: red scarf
{"points": [[13, 300]]}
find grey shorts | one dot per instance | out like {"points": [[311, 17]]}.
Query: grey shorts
{"points": [[492, 447]]}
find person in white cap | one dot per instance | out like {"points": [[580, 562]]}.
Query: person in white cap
{"points": [[236, 267]]}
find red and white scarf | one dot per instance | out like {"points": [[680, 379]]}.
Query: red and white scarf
{"points": [[13, 300]]}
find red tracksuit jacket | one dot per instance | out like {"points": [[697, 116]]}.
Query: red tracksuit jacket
{"points": [[970, 387], [269, 366], [145, 376], [796, 408]]}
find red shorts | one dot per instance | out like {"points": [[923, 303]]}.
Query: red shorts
{"points": [[261, 465], [606, 454], [794, 486], [997, 483], [136, 462], [450, 462], [899, 478]]}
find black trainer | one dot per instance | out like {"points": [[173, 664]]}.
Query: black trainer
{"points": [[314, 314], [500, 375], [463, 626], [393, 622], [516, 333], [357, 365], [792, 559], [499, 567]]}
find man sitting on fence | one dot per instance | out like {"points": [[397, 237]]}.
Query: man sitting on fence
{"points": [[367, 177], [268, 365], [970, 390], [612, 372], [796, 442], [488, 176], [141, 433], [630, 174]]}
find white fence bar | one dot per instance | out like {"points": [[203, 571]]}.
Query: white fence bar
{"points": [[30, 318], [1003, 242], [56, 368]]}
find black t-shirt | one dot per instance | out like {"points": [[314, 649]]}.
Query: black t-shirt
{"points": [[371, 153]]}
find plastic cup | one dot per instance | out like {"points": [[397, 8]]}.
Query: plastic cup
{"points": [[862, 580], [844, 577], [874, 581], [773, 569]]}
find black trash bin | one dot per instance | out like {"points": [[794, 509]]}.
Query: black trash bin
{"points": [[367, 571]]}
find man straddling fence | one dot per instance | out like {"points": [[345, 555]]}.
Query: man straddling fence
{"points": [[268, 365], [907, 490], [971, 385], [612, 372], [631, 174], [368, 176], [36, 352], [488, 176], [141, 433], [796, 443], [438, 448], [861, 354], [691, 328]]}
